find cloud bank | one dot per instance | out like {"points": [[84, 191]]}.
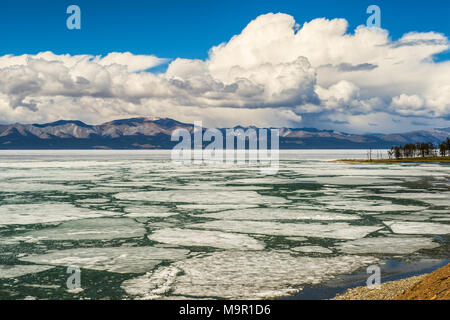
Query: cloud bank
{"points": [[274, 72]]}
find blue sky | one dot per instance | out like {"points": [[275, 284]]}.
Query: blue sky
{"points": [[291, 68], [181, 28]]}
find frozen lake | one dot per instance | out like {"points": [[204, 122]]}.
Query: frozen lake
{"points": [[140, 226]]}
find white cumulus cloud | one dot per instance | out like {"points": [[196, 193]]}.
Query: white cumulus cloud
{"points": [[275, 72]]}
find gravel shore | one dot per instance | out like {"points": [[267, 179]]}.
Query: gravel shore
{"points": [[432, 286], [387, 291]]}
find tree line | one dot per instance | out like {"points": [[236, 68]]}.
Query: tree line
{"points": [[420, 149]]}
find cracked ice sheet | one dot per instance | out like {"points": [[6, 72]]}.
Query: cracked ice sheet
{"points": [[443, 218], [376, 206], [44, 213], [347, 180], [264, 180], [213, 187], [436, 199], [203, 238], [117, 259], [397, 172], [200, 197], [405, 217], [241, 275], [215, 208], [93, 200], [387, 245], [330, 230], [402, 227], [148, 212], [13, 186], [88, 229], [279, 214], [7, 271], [311, 249], [416, 195]]}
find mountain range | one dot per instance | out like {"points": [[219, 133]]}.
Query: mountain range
{"points": [[155, 133]]}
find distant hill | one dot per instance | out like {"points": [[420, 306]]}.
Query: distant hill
{"points": [[155, 133]]}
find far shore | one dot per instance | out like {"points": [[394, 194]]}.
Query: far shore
{"points": [[418, 159]]}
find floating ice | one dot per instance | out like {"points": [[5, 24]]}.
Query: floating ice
{"points": [[228, 260], [376, 206], [201, 197], [18, 186], [264, 180], [88, 229], [279, 214], [45, 212], [402, 227], [217, 239], [404, 217], [312, 249], [241, 275], [296, 238], [148, 211], [331, 230], [214, 187], [387, 245], [8, 271], [117, 259], [441, 219], [151, 285], [436, 199], [93, 200], [417, 195], [214, 208], [348, 180]]}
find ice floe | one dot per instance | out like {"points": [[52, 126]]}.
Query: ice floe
{"points": [[435, 199], [46, 212], [88, 229], [405, 217], [93, 200], [17, 186], [116, 259], [148, 211], [241, 275], [377, 206], [14, 271], [296, 238], [339, 230], [348, 180], [202, 197], [311, 249], [387, 245], [214, 208], [403, 227], [203, 238], [279, 214]]}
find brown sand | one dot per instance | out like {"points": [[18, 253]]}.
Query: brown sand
{"points": [[433, 286]]}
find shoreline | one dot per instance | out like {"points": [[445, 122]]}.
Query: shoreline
{"points": [[401, 160], [429, 286], [392, 270]]}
